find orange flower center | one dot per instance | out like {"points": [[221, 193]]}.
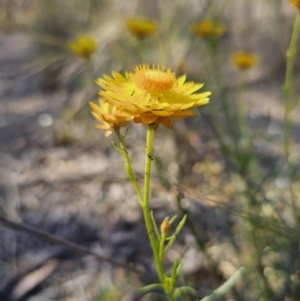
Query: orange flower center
{"points": [[154, 81]]}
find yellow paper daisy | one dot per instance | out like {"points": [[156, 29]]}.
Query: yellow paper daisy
{"points": [[244, 60], [208, 29], [295, 3], [141, 28], [83, 46], [152, 95], [109, 116]]}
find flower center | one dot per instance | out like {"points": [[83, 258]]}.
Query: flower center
{"points": [[154, 81]]}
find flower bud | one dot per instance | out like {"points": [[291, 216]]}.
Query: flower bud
{"points": [[165, 226]]}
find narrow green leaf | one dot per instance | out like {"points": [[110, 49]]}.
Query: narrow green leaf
{"points": [[161, 246], [154, 225], [174, 272], [115, 146], [180, 265], [177, 230], [173, 219], [184, 289], [151, 287]]}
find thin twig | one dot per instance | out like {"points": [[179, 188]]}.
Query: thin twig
{"points": [[71, 245]]}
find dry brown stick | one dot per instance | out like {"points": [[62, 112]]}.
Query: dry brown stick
{"points": [[69, 244]]}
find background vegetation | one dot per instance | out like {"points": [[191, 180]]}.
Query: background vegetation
{"points": [[233, 168]]}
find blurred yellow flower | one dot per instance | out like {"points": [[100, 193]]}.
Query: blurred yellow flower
{"points": [[109, 116], [141, 28], [83, 46], [295, 3], [244, 60], [152, 95], [208, 29]]}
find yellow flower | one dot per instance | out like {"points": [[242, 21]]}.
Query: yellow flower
{"points": [[109, 116], [152, 95], [83, 46], [141, 28], [208, 29], [244, 60], [295, 3]]}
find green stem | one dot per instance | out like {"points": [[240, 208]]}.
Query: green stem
{"points": [[220, 85], [288, 107], [241, 116], [291, 56], [91, 71], [155, 245], [129, 169], [141, 50], [148, 164], [146, 201], [229, 119]]}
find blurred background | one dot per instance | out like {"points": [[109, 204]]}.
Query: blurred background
{"points": [[228, 167]]}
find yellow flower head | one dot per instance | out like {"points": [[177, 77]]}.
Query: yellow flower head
{"points": [[141, 28], [83, 46], [295, 3], [152, 95], [109, 116], [244, 60], [208, 29]]}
